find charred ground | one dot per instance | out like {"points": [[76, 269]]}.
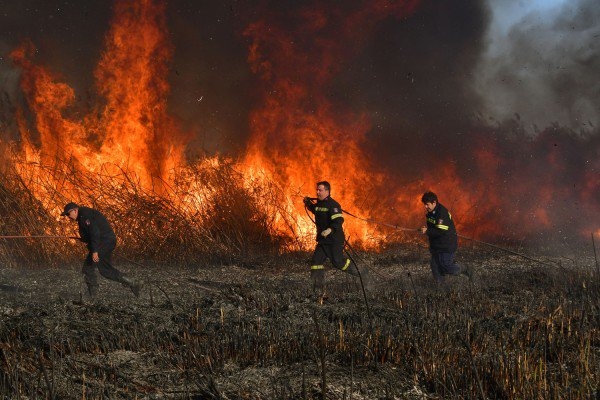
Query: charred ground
{"points": [[519, 330]]}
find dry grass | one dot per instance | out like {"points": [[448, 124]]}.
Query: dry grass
{"points": [[519, 331], [227, 220]]}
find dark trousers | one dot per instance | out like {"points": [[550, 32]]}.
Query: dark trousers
{"points": [[443, 264], [335, 253], [103, 266]]}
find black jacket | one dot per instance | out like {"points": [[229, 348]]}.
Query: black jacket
{"points": [[441, 231], [328, 214], [94, 228]]}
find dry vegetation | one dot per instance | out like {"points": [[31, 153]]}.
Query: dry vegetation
{"points": [[227, 220], [518, 331], [226, 312]]}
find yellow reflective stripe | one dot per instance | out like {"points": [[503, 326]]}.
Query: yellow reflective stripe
{"points": [[317, 267], [347, 265], [443, 227], [334, 216], [432, 220], [325, 209]]}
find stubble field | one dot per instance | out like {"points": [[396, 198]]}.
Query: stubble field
{"points": [[519, 330]]}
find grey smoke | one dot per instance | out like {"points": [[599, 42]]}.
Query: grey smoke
{"points": [[543, 63]]}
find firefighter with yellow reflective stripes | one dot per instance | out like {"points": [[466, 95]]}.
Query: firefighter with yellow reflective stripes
{"points": [[330, 237], [443, 241]]}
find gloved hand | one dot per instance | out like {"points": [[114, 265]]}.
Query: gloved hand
{"points": [[307, 201], [326, 232]]}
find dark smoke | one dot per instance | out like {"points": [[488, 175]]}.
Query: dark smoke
{"points": [[437, 89], [414, 81], [68, 36], [210, 79]]}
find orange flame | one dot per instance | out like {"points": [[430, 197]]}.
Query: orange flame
{"points": [[132, 77], [49, 101], [298, 138], [133, 132], [299, 135]]}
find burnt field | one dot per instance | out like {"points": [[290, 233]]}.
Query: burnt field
{"points": [[197, 128], [519, 330]]}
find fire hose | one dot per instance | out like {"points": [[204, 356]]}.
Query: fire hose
{"points": [[402, 228], [459, 236], [368, 220]]}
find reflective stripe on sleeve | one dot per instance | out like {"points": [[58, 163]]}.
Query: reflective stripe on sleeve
{"points": [[347, 265], [442, 227], [317, 267], [334, 216]]}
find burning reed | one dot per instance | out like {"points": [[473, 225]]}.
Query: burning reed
{"points": [[211, 215]]}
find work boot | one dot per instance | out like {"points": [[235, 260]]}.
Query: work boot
{"points": [[319, 296], [318, 281], [93, 291], [131, 284], [135, 289], [467, 270]]}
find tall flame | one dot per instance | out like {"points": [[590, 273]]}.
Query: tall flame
{"points": [[48, 101], [132, 77], [129, 132], [298, 135]]}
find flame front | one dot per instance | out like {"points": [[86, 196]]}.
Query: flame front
{"points": [[299, 137], [299, 133]]}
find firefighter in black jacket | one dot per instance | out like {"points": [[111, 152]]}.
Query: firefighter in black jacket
{"points": [[330, 237], [443, 240], [101, 240]]}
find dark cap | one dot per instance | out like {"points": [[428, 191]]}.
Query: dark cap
{"points": [[69, 207]]}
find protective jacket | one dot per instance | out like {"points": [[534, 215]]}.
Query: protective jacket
{"points": [[94, 228], [441, 231], [328, 214]]}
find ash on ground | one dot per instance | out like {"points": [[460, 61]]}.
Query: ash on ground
{"points": [[257, 332]]}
